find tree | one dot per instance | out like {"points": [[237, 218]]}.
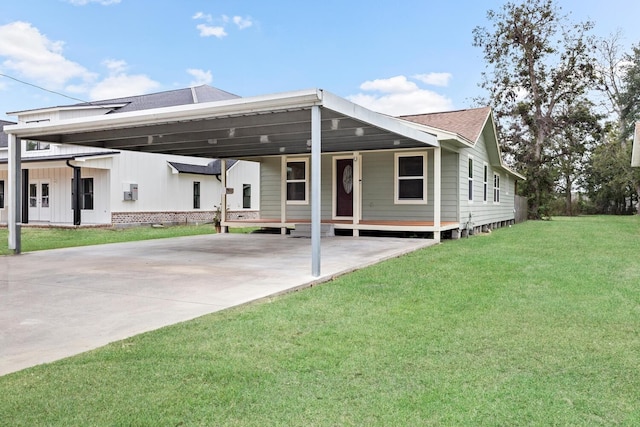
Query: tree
{"points": [[572, 147], [539, 63], [610, 179], [619, 78]]}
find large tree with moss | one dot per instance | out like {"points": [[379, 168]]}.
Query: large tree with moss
{"points": [[538, 65]]}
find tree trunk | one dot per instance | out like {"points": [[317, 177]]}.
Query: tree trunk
{"points": [[638, 193], [567, 195]]}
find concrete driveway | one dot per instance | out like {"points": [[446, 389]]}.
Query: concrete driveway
{"points": [[57, 303]]}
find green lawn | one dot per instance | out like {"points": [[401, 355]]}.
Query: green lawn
{"points": [[537, 324]]}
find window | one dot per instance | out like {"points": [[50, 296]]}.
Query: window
{"points": [[1, 194], [411, 178], [86, 193], [36, 145], [485, 183], [196, 195], [496, 188], [297, 178], [471, 179], [246, 196]]}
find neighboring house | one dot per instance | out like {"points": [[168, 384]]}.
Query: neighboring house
{"points": [[397, 186], [635, 154], [124, 187], [325, 159]]}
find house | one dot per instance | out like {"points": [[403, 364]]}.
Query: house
{"points": [[121, 187], [394, 188], [324, 161], [635, 154]]}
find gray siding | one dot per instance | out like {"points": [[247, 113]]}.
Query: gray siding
{"points": [[484, 212], [270, 188]]}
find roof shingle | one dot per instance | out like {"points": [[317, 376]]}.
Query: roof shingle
{"points": [[466, 123]]}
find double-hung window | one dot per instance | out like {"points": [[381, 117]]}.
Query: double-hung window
{"points": [[496, 188], [298, 181], [246, 196], [86, 194], [470, 174], [196, 194], [485, 184], [410, 178]]}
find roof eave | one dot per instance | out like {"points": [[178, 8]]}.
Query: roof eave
{"points": [[237, 106]]}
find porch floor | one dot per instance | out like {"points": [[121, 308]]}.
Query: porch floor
{"points": [[379, 225]]}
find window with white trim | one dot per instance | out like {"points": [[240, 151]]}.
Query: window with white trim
{"points": [[410, 178], [470, 180], [496, 188], [196, 194], [246, 196], [297, 181], [485, 184]]}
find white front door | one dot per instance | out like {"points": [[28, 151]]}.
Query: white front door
{"points": [[39, 201]]}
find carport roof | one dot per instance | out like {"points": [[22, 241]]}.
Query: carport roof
{"points": [[277, 124]]}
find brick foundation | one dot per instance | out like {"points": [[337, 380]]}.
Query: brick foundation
{"points": [[179, 217]]}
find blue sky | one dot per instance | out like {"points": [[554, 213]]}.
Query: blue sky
{"points": [[397, 57]]}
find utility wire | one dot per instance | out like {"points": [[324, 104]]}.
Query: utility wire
{"points": [[44, 89]]}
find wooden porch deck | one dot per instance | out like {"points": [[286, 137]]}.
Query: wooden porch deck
{"points": [[377, 225]]}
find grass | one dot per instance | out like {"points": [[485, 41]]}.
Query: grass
{"points": [[37, 239], [538, 324]]}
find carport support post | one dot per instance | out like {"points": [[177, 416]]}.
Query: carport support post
{"points": [[316, 210], [223, 198], [15, 186], [437, 192]]}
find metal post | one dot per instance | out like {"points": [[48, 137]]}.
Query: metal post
{"points": [[223, 198], [14, 193], [437, 192], [316, 210]]}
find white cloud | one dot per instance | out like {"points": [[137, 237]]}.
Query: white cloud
{"points": [[220, 31], [121, 85], [201, 77], [399, 96], [242, 23], [86, 2], [208, 31], [391, 85], [115, 66], [30, 54], [434, 79], [200, 15]]}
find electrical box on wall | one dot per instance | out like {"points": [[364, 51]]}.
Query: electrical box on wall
{"points": [[132, 193]]}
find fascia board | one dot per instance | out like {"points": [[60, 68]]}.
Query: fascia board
{"points": [[236, 106]]}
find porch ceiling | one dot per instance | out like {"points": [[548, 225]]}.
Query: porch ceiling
{"points": [[244, 128]]}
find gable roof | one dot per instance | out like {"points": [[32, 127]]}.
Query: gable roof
{"points": [[171, 98], [4, 139], [635, 154], [466, 123], [212, 168]]}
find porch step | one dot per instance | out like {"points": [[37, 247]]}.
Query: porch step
{"points": [[304, 230]]}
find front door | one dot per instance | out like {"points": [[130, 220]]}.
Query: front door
{"points": [[39, 201], [344, 188]]}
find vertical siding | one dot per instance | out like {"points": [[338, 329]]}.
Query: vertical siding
{"points": [[244, 172]]}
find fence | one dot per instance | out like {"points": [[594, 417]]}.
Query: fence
{"points": [[522, 208]]}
